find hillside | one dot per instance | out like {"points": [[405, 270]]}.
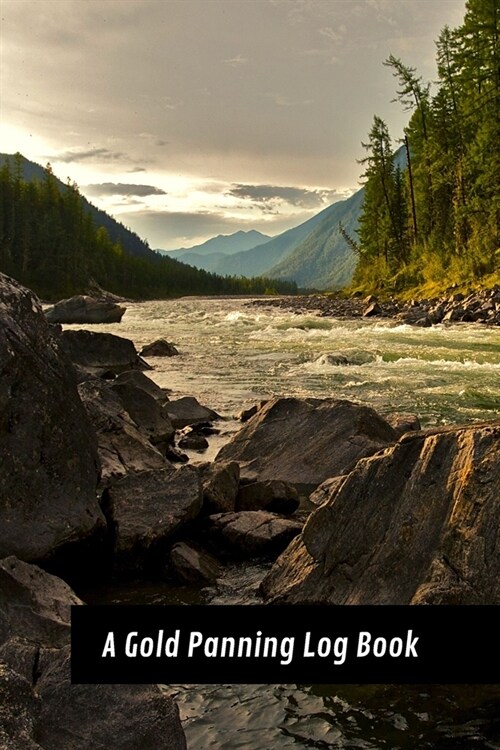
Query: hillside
{"points": [[225, 244], [324, 260], [130, 242]]}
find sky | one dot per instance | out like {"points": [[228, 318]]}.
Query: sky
{"points": [[186, 119]]}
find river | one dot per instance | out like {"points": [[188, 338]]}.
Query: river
{"points": [[233, 354]]}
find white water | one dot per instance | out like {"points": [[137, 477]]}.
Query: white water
{"points": [[233, 354]]}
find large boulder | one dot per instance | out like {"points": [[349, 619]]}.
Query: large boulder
{"points": [[305, 441], [85, 309], [220, 485], [19, 711], [146, 510], [419, 524], [49, 466], [123, 447], [100, 353]]}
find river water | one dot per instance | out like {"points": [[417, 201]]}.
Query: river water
{"points": [[233, 354]]}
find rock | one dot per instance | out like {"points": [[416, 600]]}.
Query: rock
{"points": [[402, 422], [49, 466], [252, 533], [101, 352], [220, 483], [176, 456], [145, 511], [40, 702], [146, 412], [372, 309], [305, 441], [187, 411], [86, 717], [192, 441], [273, 495], [418, 524], [193, 565], [34, 605], [139, 380], [159, 348], [122, 446], [246, 414], [19, 711], [85, 309], [370, 300]]}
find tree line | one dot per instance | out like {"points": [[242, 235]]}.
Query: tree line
{"points": [[50, 242], [431, 213]]}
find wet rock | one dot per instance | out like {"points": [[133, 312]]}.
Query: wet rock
{"points": [[146, 412], [145, 511], [193, 565], [273, 495], [101, 352], [305, 441], [139, 380], [49, 466], [220, 483], [85, 309], [175, 455], [246, 414], [188, 411], [159, 348], [86, 717], [252, 533], [418, 524], [122, 446]]}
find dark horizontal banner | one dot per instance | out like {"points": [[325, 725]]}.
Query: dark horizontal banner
{"points": [[298, 644]]}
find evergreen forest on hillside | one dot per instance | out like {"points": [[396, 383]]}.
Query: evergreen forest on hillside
{"points": [[436, 221], [51, 242]]}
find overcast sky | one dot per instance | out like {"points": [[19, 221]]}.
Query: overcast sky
{"points": [[190, 118]]}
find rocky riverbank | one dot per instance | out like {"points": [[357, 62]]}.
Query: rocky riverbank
{"points": [[95, 486], [476, 307]]}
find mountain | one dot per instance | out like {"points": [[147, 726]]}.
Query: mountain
{"points": [[130, 242], [324, 260], [227, 244], [212, 253]]}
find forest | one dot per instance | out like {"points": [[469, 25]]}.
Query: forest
{"points": [[431, 220], [51, 242]]}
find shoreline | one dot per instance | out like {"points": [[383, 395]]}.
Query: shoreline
{"points": [[481, 307]]}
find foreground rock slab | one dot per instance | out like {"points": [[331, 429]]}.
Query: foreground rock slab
{"points": [[305, 441], [85, 309], [187, 411], [417, 525], [49, 466]]}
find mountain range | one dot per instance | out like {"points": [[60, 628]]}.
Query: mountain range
{"points": [[314, 254]]}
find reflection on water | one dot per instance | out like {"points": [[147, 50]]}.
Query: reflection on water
{"points": [[233, 355], [369, 717]]}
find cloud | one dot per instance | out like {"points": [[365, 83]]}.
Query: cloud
{"points": [[92, 154], [271, 196], [113, 188]]}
